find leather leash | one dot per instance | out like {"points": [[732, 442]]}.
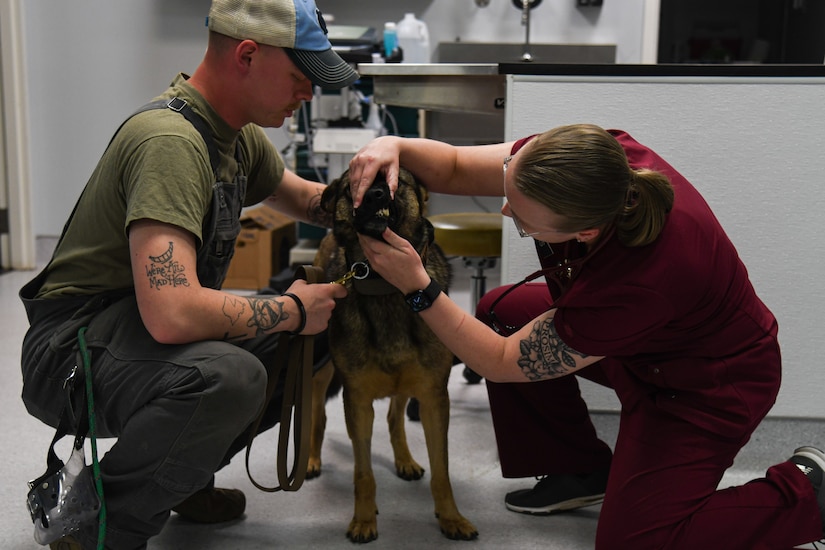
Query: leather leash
{"points": [[297, 394]]}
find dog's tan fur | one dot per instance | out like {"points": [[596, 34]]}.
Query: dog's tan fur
{"points": [[382, 349]]}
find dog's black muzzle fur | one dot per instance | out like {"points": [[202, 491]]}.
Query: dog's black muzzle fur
{"points": [[377, 211]]}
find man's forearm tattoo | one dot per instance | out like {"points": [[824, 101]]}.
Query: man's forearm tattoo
{"points": [[165, 271], [264, 315], [267, 313], [544, 355], [317, 215], [233, 309]]}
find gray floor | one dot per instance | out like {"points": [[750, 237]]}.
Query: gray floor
{"points": [[318, 514]]}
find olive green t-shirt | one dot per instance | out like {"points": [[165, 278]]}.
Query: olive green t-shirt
{"points": [[156, 167]]}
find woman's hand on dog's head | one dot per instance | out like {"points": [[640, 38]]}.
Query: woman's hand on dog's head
{"points": [[396, 260], [379, 155]]}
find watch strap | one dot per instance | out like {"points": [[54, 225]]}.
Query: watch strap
{"points": [[423, 299]]}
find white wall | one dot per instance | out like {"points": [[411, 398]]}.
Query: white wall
{"points": [[553, 21], [92, 62], [753, 148]]}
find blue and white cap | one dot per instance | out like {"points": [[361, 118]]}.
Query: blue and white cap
{"points": [[295, 25]]}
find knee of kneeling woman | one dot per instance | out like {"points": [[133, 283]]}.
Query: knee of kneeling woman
{"points": [[632, 533]]}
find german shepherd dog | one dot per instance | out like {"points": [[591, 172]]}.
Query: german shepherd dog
{"points": [[380, 348]]}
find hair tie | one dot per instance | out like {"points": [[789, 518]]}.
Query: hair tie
{"points": [[632, 196], [302, 310]]}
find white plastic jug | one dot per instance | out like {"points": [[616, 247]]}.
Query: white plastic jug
{"points": [[414, 39]]}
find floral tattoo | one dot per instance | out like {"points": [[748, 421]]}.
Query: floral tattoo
{"points": [[544, 355]]}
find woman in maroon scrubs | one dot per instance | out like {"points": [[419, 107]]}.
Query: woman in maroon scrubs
{"points": [[643, 292]]}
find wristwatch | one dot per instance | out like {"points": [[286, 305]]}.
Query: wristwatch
{"points": [[422, 299]]}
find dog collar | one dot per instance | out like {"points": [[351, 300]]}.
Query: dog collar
{"points": [[373, 286]]}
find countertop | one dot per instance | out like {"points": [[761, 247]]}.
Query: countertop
{"points": [[586, 69], [481, 87], [721, 70]]}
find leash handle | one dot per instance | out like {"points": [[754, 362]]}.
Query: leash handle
{"points": [[297, 400]]}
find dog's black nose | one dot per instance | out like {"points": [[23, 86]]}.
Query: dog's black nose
{"points": [[375, 194]]}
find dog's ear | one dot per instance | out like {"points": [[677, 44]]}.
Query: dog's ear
{"points": [[329, 198], [421, 192], [429, 231], [424, 196]]}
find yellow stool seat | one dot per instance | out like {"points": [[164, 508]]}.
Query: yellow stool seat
{"points": [[476, 237], [468, 234]]}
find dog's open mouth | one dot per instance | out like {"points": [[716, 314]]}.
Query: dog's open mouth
{"points": [[377, 211]]}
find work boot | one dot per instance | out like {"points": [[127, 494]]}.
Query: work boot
{"points": [[212, 505], [471, 376], [413, 410], [811, 462], [558, 493], [65, 543]]}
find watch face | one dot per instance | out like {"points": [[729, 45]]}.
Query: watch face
{"points": [[419, 301], [422, 299]]}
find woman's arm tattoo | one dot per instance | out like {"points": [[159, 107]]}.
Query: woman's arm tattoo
{"points": [[544, 355]]}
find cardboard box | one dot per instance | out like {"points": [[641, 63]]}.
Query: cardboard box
{"points": [[262, 248]]}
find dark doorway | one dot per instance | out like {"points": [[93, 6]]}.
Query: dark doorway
{"points": [[742, 31]]}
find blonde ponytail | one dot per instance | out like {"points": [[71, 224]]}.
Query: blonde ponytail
{"points": [[649, 199]]}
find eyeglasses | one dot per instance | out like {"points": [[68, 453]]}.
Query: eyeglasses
{"points": [[521, 232]]}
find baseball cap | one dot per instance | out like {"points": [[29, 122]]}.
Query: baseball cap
{"points": [[295, 25]]}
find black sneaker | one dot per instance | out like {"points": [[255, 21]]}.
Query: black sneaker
{"points": [[471, 376], [811, 461], [65, 543], [558, 493], [413, 410]]}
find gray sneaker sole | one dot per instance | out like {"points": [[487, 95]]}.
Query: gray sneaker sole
{"points": [[567, 505], [812, 453]]}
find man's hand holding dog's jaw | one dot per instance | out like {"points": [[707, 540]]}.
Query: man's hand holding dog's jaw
{"points": [[396, 261]]}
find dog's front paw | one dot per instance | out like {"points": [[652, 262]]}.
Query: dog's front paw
{"points": [[362, 531], [458, 528], [409, 470], [313, 468]]}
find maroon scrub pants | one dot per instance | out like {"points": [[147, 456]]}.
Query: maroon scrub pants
{"points": [[668, 461]]}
